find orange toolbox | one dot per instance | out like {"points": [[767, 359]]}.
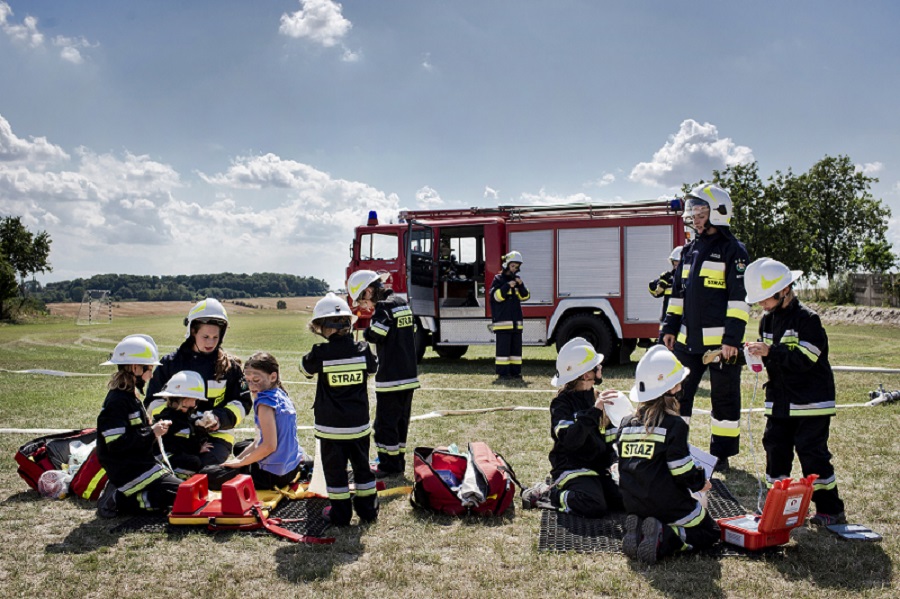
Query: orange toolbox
{"points": [[786, 507]]}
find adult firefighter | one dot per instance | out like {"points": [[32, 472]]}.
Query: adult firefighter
{"points": [[392, 330], [708, 311], [228, 398], [800, 396], [507, 294], [662, 286]]}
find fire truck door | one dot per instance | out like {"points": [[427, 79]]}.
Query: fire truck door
{"points": [[421, 269]]}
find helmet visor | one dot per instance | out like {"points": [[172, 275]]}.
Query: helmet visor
{"points": [[695, 208]]}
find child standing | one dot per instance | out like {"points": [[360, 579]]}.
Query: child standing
{"points": [[392, 330], [185, 440], [274, 458], [656, 471], [126, 441], [508, 291], [662, 286], [341, 410], [582, 439], [800, 395]]}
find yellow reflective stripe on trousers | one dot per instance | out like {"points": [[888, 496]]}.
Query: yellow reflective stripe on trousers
{"points": [[725, 428]]}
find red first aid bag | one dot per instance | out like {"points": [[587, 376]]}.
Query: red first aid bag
{"points": [[441, 483], [51, 452]]}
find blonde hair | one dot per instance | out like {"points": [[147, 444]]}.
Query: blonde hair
{"points": [[651, 413], [123, 379]]}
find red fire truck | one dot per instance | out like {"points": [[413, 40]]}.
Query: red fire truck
{"points": [[587, 267]]}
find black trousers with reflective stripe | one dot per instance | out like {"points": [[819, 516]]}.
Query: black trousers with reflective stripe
{"points": [[157, 496], [508, 344], [725, 397], [808, 436], [335, 455], [392, 413], [588, 496], [703, 535]]}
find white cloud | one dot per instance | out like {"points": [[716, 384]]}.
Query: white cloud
{"points": [[428, 197], [426, 62], [490, 193], [606, 179], [27, 33], [691, 154], [16, 149], [350, 56], [544, 198], [869, 168], [318, 20]]}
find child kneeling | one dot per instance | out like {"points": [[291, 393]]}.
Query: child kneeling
{"points": [[274, 458], [656, 471]]}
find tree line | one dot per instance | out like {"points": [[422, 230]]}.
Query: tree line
{"points": [[824, 222], [182, 287]]}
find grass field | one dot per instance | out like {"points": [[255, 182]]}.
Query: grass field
{"points": [[60, 548]]}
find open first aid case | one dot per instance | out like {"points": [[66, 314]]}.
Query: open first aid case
{"points": [[786, 507]]}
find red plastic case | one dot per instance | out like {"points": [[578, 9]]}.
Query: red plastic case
{"points": [[786, 507]]}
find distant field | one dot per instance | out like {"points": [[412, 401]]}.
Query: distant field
{"points": [[122, 309], [61, 548]]}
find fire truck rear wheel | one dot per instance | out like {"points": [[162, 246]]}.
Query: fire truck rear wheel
{"points": [[592, 328], [451, 352]]}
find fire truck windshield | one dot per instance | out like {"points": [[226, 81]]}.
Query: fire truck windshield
{"points": [[378, 246]]}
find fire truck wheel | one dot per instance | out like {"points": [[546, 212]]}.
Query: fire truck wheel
{"points": [[592, 328], [451, 352]]}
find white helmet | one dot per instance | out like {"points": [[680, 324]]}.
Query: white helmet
{"points": [[675, 256], [513, 256], [134, 349], [208, 311], [186, 383], [657, 372], [575, 358], [330, 306], [361, 279], [766, 277], [713, 196]]}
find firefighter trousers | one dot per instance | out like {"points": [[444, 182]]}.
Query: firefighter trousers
{"points": [[725, 397], [335, 455], [157, 496], [808, 436], [588, 496], [218, 453], [263, 480], [508, 355], [677, 538], [392, 413]]}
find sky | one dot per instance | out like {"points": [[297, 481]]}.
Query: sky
{"points": [[163, 138]]}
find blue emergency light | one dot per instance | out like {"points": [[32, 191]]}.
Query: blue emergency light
{"points": [[373, 218]]}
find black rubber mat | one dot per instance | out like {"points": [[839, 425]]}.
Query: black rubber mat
{"points": [[307, 511], [567, 532]]}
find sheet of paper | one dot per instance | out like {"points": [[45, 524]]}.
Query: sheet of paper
{"points": [[707, 460]]}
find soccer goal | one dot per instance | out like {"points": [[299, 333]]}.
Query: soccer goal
{"points": [[96, 308]]}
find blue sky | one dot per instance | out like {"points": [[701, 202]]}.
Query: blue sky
{"points": [[197, 137]]}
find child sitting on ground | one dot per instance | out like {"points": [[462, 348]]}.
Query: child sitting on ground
{"points": [[656, 471], [341, 410], [582, 439], [185, 440], [274, 458]]}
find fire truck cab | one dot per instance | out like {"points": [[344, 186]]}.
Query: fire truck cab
{"points": [[587, 267]]}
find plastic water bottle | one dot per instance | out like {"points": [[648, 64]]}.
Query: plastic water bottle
{"points": [[619, 410]]}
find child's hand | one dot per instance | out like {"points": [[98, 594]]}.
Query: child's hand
{"points": [[757, 348], [707, 486], [160, 428], [207, 446], [232, 463], [605, 398]]}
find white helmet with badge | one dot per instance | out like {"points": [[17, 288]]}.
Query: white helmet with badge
{"points": [[511, 257], [186, 383], [713, 197], [657, 372], [675, 256], [765, 277], [134, 349], [361, 279], [332, 306], [575, 358], [208, 311]]}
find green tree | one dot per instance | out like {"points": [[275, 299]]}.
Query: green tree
{"points": [[8, 287], [840, 215], [26, 252]]}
